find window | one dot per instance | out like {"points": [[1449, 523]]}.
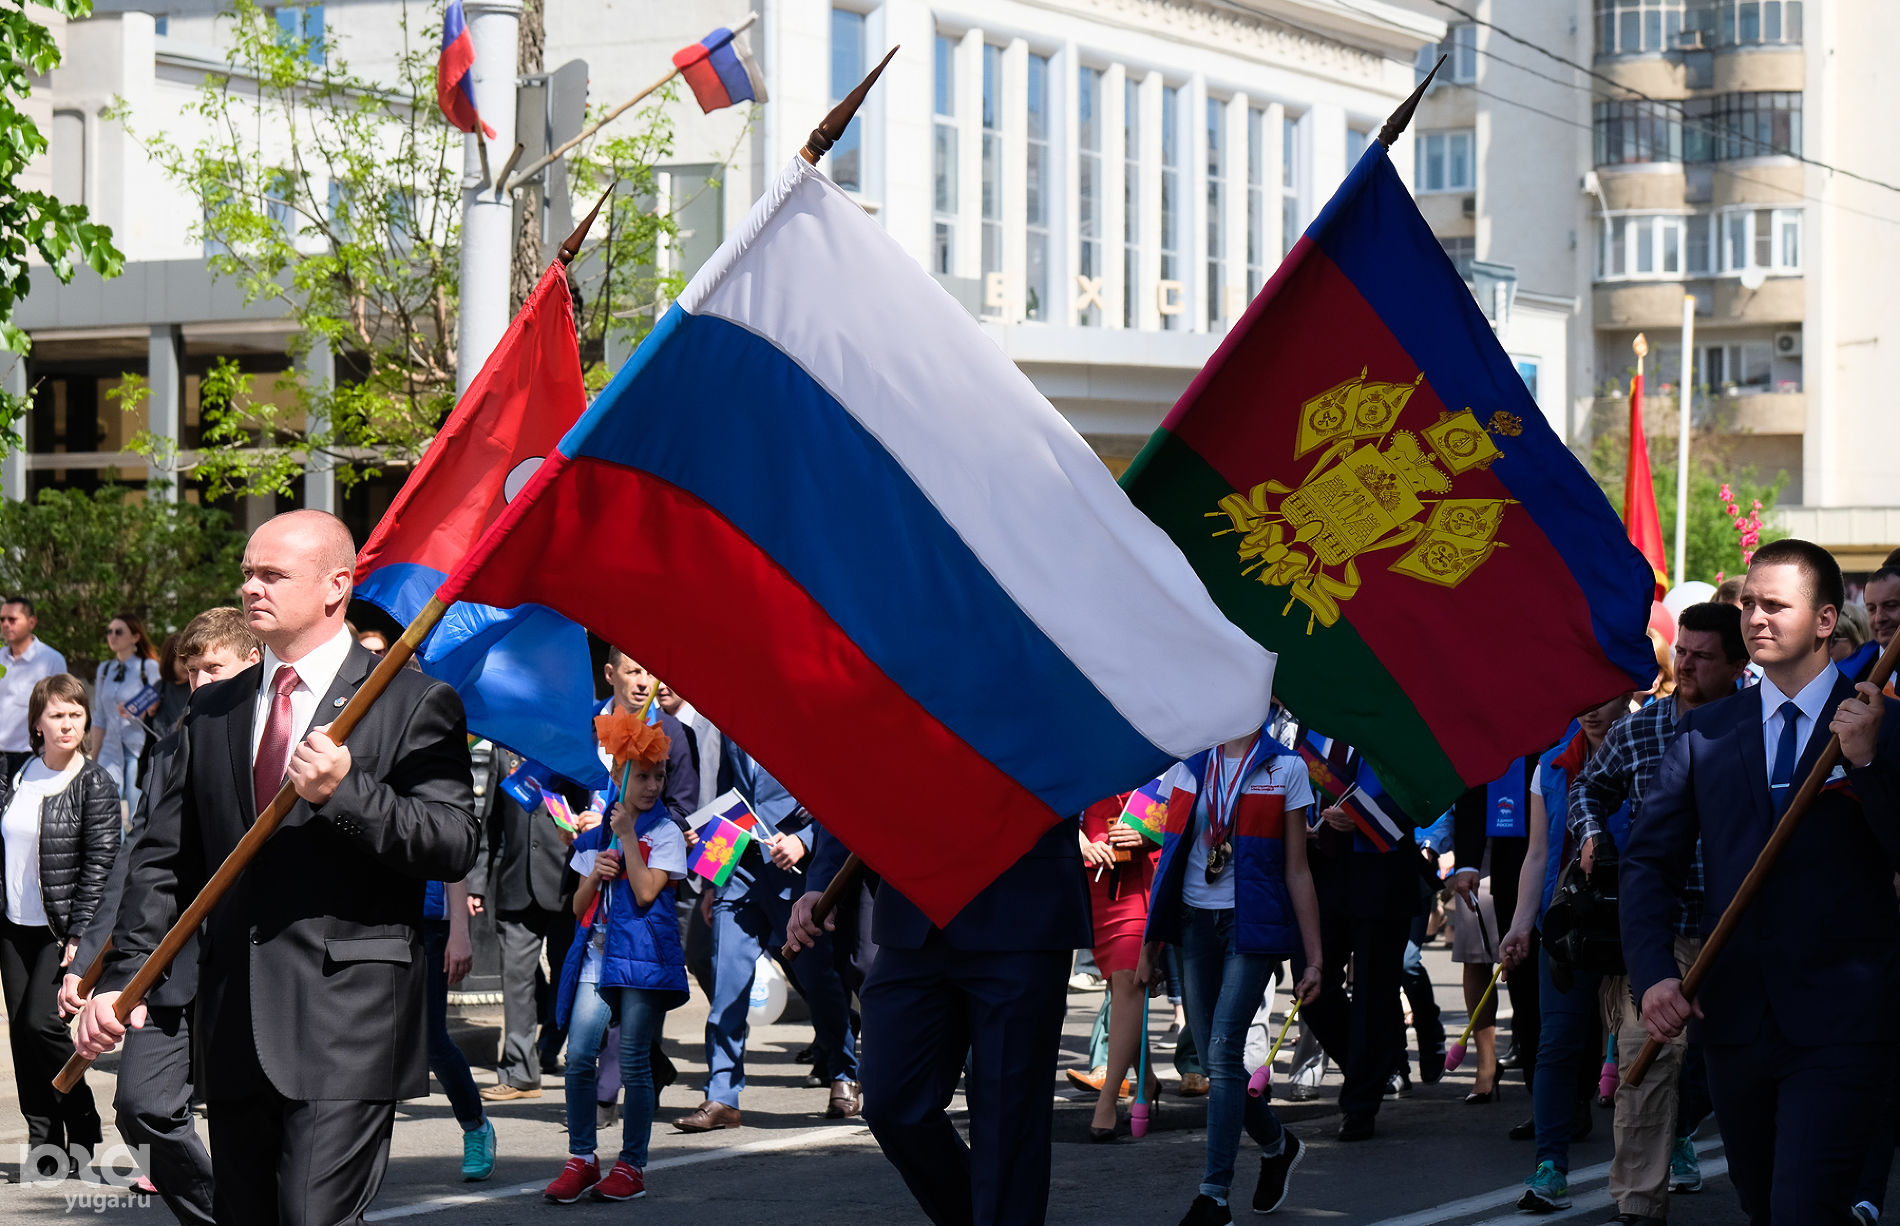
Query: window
{"points": [[161, 24], [301, 25], [1461, 251], [1356, 141], [1641, 246], [1131, 201], [1635, 27], [992, 158], [1216, 211], [1088, 188], [1036, 288], [1752, 125], [944, 155], [1460, 49], [1289, 183], [277, 193], [1765, 239], [1171, 194], [1444, 162], [1256, 200], [1696, 236], [847, 69], [68, 152], [1747, 23], [1741, 364], [1631, 132], [1527, 371]]}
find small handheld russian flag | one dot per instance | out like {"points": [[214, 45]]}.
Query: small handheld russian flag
{"points": [[454, 82], [721, 71]]}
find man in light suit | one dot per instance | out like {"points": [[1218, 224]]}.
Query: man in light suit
{"points": [[1800, 1012], [310, 999]]}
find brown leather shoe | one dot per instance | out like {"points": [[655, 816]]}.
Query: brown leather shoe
{"points": [[847, 1099], [1193, 1085], [503, 1092], [708, 1116]]}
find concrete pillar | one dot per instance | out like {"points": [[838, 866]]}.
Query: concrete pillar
{"points": [[1234, 291], [1114, 210], [1015, 177], [165, 405], [319, 472], [967, 247], [487, 220], [1273, 185], [13, 464], [1194, 252], [1148, 191]]}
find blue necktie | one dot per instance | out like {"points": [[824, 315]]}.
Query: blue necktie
{"points": [[1781, 776]]}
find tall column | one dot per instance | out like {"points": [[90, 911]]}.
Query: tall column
{"points": [[319, 473], [487, 220], [1015, 177], [1193, 208], [967, 247], [165, 405], [13, 464], [1234, 291], [1273, 184], [1147, 306], [1114, 205]]}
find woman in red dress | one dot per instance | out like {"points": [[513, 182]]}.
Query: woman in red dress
{"points": [[1118, 897]]}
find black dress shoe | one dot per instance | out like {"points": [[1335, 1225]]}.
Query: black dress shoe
{"points": [[1356, 1128], [806, 1054], [1527, 1131], [1431, 1066], [815, 1080]]}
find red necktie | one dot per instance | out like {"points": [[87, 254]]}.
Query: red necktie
{"points": [[273, 751]]}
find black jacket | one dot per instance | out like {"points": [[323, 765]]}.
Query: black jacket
{"points": [[522, 856], [314, 958], [79, 840]]}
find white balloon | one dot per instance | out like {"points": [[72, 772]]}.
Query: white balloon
{"points": [[1683, 595], [768, 993]]}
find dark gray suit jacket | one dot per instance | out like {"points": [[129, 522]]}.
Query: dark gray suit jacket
{"points": [[522, 854], [315, 955]]}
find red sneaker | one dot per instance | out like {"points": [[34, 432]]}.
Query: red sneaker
{"points": [[622, 1183], [575, 1178]]}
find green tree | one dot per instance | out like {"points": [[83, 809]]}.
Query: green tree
{"points": [[1712, 538], [340, 197], [34, 221], [84, 557]]}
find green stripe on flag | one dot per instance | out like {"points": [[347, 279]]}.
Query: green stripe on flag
{"points": [[1330, 678]]}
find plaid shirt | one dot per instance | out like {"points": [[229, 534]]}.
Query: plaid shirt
{"points": [[1620, 771]]}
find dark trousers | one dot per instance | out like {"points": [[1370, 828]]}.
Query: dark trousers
{"points": [[1365, 1035], [1878, 1168], [446, 1060], [925, 1010], [29, 977], [153, 1105], [527, 1000], [1417, 985], [1796, 1122], [292, 1163]]}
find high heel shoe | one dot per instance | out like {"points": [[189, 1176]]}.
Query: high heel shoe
{"points": [[1477, 1099], [1102, 1136]]}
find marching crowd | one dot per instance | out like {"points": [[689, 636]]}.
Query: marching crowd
{"points": [[1581, 883]]}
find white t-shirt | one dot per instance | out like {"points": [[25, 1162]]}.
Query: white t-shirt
{"points": [[20, 829], [1281, 775], [665, 848]]}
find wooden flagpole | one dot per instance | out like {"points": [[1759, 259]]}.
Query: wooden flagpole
{"points": [[1764, 864], [399, 654]]}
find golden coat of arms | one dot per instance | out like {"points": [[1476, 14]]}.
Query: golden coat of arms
{"points": [[1366, 493]]}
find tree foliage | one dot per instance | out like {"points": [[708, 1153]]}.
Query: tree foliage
{"points": [[62, 234], [1713, 546], [83, 557], [340, 198]]}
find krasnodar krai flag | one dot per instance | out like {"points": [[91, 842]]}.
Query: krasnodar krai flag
{"points": [[831, 513]]}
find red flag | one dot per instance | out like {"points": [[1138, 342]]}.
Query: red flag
{"points": [[1640, 518]]}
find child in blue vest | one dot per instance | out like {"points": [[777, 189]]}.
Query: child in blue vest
{"points": [[626, 965], [1234, 893]]}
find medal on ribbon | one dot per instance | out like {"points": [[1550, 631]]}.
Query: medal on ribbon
{"points": [[1223, 796]]}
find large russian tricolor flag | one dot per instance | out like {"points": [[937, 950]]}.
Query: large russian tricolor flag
{"points": [[825, 507]]}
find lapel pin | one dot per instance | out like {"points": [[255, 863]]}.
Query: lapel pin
{"points": [[339, 702]]}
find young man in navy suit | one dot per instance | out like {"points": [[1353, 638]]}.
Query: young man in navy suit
{"points": [[1801, 1011]]}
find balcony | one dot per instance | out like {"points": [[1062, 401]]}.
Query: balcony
{"points": [[1778, 300], [1736, 411], [1758, 68], [1641, 304]]}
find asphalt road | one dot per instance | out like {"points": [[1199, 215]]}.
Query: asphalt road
{"points": [[1435, 1160]]}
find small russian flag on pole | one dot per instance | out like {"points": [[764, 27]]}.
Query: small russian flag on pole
{"points": [[721, 71], [454, 80]]}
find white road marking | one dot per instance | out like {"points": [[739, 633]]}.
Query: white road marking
{"points": [[765, 1145], [1497, 1198], [1591, 1204]]}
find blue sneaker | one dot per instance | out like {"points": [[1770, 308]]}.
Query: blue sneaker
{"points": [[1685, 1169], [478, 1152], [1546, 1191]]}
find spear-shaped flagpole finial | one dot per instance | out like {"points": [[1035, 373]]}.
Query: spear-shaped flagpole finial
{"points": [[828, 133], [571, 247], [1395, 126]]}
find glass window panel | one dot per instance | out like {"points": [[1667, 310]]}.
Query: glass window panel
{"points": [[1789, 226], [946, 99], [1735, 251], [847, 69], [1698, 243], [945, 156], [1771, 21], [1748, 22], [1630, 30], [1764, 238], [1618, 247], [1671, 245], [1645, 235]]}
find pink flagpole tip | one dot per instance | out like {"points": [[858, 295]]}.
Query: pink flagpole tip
{"points": [[1138, 1119], [1261, 1079], [1454, 1056]]}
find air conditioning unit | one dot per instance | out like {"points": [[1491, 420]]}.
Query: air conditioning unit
{"points": [[1471, 206], [1787, 344]]}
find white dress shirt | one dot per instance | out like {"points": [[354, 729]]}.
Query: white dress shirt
{"points": [[18, 675], [316, 672], [709, 740], [1812, 700]]}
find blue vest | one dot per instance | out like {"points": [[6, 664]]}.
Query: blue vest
{"points": [[1556, 794], [643, 943], [1263, 909]]}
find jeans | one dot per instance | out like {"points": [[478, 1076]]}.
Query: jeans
{"points": [[640, 1015], [1569, 1040], [1222, 988], [446, 1060]]}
